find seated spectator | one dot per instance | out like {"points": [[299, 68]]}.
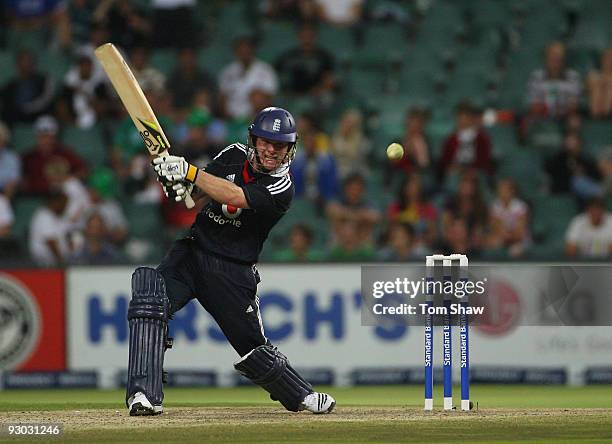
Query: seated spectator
{"points": [[554, 90], [353, 207], [84, 98], [27, 15], [468, 147], [509, 220], [349, 144], [187, 80], [300, 247], [456, 238], [148, 77], [196, 147], [589, 235], [103, 189], [314, 173], [412, 208], [341, 12], [10, 165], [300, 11], [79, 202], [466, 207], [349, 245], [308, 68], [179, 16], [49, 231], [599, 84], [127, 25], [401, 245], [42, 158], [604, 163], [414, 141], [570, 170], [29, 95], [95, 248], [241, 76], [7, 217]]}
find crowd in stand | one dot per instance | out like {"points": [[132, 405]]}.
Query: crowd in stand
{"points": [[448, 199]]}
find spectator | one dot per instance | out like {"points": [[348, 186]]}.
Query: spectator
{"points": [[604, 163], [349, 144], [554, 90], [127, 25], [400, 245], [349, 246], [241, 76], [302, 11], [85, 96], [466, 211], [7, 218], [589, 235], [78, 203], [10, 165], [177, 15], [341, 12], [308, 68], [49, 243], [149, 78], [300, 247], [509, 220], [29, 95], [28, 16], [96, 249], [570, 170], [314, 173], [457, 238], [414, 141], [353, 207], [103, 188], [47, 155], [412, 208], [599, 84], [187, 80], [468, 147], [196, 147]]}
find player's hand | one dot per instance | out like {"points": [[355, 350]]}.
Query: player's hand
{"points": [[176, 191], [175, 169]]}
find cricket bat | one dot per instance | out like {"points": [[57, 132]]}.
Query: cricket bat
{"points": [[135, 102]]}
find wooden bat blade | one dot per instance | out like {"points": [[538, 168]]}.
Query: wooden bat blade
{"points": [[135, 102]]}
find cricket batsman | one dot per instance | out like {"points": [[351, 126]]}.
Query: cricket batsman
{"points": [[247, 190]]}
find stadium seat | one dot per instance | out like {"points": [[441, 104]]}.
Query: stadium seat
{"points": [[24, 208], [8, 66], [23, 137], [164, 60], [144, 220], [276, 39], [87, 143], [597, 134]]}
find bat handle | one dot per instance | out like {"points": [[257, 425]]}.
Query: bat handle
{"points": [[189, 203]]}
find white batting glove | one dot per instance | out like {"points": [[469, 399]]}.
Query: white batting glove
{"points": [[175, 169], [177, 191]]}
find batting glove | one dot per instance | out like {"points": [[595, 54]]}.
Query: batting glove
{"points": [[175, 169], [176, 191]]}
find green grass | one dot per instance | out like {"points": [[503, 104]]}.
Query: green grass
{"points": [[550, 414]]}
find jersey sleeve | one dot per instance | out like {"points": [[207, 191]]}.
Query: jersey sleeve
{"points": [[232, 154], [273, 198]]}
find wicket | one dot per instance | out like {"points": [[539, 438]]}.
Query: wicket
{"points": [[447, 351]]}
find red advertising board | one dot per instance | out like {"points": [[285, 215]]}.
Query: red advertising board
{"points": [[32, 320]]}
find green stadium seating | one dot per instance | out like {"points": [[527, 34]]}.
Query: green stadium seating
{"points": [[597, 134], [7, 61], [504, 139], [144, 220], [87, 143], [276, 39], [24, 208], [23, 137], [164, 60]]}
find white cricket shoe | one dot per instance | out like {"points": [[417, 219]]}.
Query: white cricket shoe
{"points": [[319, 403], [139, 405]]}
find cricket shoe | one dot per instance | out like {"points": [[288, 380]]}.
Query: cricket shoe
{"points": [[139, 405], [319, 403]]}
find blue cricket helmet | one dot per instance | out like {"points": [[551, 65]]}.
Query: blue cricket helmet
{"points": [[276, 125]]}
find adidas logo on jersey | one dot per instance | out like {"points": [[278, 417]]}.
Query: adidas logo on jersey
{"points": [[230, 177], [249, 309]]}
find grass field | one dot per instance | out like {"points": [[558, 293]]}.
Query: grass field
{"points": [[365, 414]]}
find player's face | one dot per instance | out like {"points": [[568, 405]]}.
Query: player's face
{"points": [[271, 154]]}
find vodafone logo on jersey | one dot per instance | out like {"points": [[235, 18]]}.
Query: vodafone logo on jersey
{"points": [[231, 211]]}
